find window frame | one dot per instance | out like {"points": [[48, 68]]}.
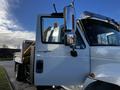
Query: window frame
{"points": [[99, 22], [77, 29], [41, 30]]}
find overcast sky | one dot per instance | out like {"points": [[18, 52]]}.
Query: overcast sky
{"points": [[18, 17]]}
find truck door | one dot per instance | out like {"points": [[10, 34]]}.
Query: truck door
{"points": [[54, 64]]}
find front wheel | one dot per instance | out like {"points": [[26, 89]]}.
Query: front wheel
{"points": [[45, 88], [102, 86]]}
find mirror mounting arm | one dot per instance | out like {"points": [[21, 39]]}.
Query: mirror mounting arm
{"points": [[73, 52]]}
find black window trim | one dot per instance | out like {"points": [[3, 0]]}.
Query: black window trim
{"points": [[78, 27]]}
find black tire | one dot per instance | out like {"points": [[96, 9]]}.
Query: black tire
{"points": [[102, 86], [19, 72], [45, 88]]}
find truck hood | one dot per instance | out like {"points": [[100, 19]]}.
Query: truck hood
{"points": [[105, 64], [106, 52]]}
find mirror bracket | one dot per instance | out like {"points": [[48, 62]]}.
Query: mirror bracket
{"points": [[73, 53]]}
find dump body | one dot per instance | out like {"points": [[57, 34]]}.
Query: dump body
{"points": [[26, 50]]}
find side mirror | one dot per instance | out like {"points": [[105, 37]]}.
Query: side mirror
{"points": [[69, 24], [69, 21]]}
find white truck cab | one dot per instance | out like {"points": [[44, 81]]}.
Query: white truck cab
{"points": [[95, 53], [83, 52]]}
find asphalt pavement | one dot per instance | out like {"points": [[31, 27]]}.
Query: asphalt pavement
{"points": [[9, 66]]}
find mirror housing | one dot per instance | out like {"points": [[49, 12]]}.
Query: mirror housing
{"points": [[69, 25], [69, 18]]}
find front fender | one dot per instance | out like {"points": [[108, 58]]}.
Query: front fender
{"points": [[108, 73]]}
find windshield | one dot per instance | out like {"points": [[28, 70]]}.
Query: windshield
{"points": [[101, 33]]}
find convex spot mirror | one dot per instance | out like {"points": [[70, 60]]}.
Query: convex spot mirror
{"points": [[70, 39]]}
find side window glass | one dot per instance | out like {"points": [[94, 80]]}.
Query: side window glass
{"points": [[79, 41], [52, 30], [108, 38]]}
